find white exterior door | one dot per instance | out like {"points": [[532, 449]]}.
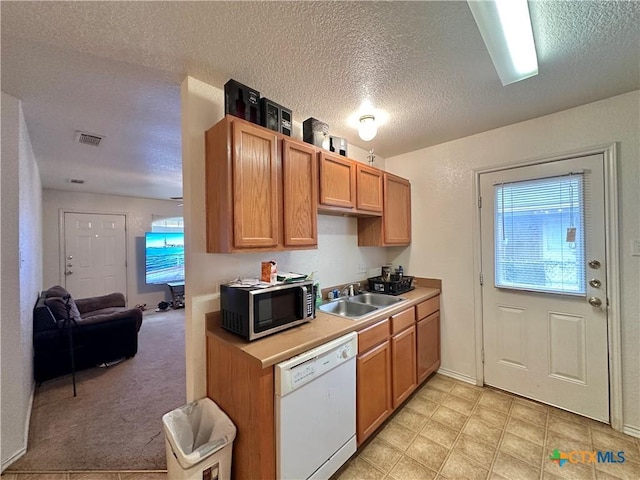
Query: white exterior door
{"points": [[544, 275], [95, 261]]}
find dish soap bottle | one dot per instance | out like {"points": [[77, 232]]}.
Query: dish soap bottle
{"points": [[316, 287]]}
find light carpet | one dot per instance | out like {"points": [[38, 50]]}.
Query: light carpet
{"points": [[115, 422]]}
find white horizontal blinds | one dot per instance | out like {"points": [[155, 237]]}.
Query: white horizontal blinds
{"points": [[539, 235], [160, 223]]}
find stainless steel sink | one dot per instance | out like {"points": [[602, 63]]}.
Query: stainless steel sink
{"points": [[347, 309], [376, 299], [359, 305]]}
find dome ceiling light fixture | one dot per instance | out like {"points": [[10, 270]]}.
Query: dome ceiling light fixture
{"points": [[367, 119], [368, 127]]}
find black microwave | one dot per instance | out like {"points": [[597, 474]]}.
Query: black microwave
{"points": [[254, 312]]}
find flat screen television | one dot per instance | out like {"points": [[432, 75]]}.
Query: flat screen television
{"points": [[164, 257]]}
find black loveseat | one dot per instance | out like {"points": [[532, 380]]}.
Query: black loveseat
{"points": [[104, 330]]}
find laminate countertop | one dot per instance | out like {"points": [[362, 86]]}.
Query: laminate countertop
{"points": [[325, 327]]}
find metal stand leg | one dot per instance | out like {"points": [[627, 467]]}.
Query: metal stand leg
{"points": [[72, 354], [68, 324]]}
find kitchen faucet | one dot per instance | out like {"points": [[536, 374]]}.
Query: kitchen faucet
{"points": [[352, 288]]}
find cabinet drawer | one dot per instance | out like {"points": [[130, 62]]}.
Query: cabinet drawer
{"points": [[427, 307], [373, 335], [402, 320]]}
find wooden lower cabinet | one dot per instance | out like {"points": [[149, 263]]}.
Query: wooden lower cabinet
{"points": [[428, 341], [245, 392], [373, 387], [395, 355], [428, 337], [403, 361]]}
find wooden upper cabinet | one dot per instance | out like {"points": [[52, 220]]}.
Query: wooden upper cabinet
{"points": [[261, 189], [300, 192], [337, 181], [255, 187], [397, 210], [394, 227], [368, 188]]}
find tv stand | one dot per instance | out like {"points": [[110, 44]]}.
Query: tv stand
{"points": [[177, 294]]}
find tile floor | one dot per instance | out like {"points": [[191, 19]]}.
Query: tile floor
{"points": [[451, 430]]}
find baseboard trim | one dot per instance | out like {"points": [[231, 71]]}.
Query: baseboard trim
{"points": [[9, 461], [630, 430], [457, 376]]}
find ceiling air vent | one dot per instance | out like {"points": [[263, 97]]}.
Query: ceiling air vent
{"points": [[88, 138]]}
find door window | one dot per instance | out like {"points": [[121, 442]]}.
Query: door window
{"points": [[539, 235]]}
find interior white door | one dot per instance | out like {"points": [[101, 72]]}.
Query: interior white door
{"points": [[544, 293], [95, 261]]}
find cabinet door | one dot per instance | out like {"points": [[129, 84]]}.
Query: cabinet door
{"points": [[428, 345], [373, 392], [368, 188], [337, 181], [255, 187], [403, 361], [397, 210], [300, 191]]}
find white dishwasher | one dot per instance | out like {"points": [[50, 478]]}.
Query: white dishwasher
{"points": [[315, 406]]}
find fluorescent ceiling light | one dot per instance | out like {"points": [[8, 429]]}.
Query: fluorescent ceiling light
{"points": [[505, 27]]}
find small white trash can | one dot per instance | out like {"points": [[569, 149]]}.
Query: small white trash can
{"points": [[199, 440]]}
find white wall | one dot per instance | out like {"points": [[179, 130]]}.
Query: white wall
{"points": [[444, 208], [21, 277], [336, 259], [139, 212]]}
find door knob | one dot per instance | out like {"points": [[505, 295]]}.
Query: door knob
{"points": [[594, 282], [70, 257], [71, 265], [595, 301], [69, 272], [595, 264]]}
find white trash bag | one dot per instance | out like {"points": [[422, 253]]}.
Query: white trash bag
{"points": [[194, 433]]}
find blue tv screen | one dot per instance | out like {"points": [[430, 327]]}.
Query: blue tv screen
{"points": [[164, 257]]}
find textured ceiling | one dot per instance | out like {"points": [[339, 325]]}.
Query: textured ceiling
{"points": [[114, 68]]}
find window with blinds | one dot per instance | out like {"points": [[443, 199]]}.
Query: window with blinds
{"points": [[167, 224], [539, 235]]}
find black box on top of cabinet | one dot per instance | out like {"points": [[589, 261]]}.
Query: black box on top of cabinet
{"points": [[314, 131], [275, 117], [338, 144], [242, 101]]}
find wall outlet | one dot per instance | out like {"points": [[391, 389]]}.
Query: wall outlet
{"points": [[635, 248], [362, 269]]}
